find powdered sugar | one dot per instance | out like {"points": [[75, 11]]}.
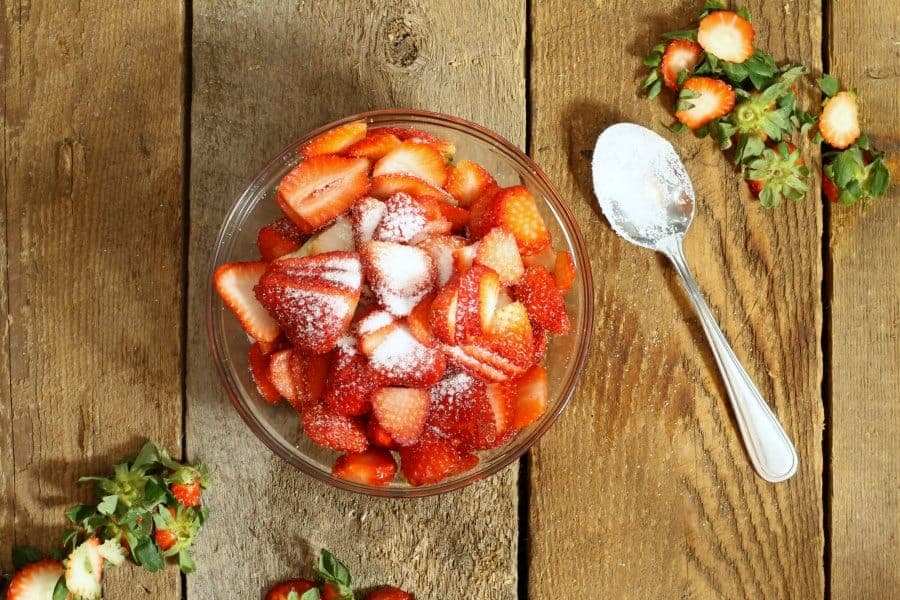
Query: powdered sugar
{"points": [[374, 321], [399, 275], [367, 214], [402, 358]]}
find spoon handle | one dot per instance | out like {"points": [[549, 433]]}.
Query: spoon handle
{"points": [[770, 450]]}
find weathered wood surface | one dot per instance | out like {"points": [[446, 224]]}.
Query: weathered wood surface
{"points": [[264, 74], [864, 419], [92, 181], [643, 489]]}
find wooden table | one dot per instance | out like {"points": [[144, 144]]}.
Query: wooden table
{"points": [[128, 129]]}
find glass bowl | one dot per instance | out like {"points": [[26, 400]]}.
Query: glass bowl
{"points": [[278, 426]]}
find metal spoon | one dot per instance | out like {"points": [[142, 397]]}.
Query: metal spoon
{"points": [[647, 197]]}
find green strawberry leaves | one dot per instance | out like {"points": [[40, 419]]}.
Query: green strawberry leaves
{"points": [[332, 571]]}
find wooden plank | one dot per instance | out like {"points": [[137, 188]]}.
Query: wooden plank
{"points": [[865, 309], [265, 73], [93, 107], [667, 504]]}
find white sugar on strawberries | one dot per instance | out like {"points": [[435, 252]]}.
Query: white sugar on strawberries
{"points": [[400, 303]]}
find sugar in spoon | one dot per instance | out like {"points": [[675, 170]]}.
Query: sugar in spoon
{"points": [[646, 195]]}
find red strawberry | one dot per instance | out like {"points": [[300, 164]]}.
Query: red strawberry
{"points": [[480, 213], [709, 98], [476, 366], [516, 209], [188, 494], [374, 146], [540, 344], [366, 214], [459, 407], [401, 412], [564, 270], [267, 348], [308, 374], [372, 328], [443, 312], [321, 188], [35, 581], [234, 282], [389, 593], [418, 160], [335, 141], [409, 220], [278, 238], [164, 538], [510, 336], [726, 35], [464, 257], [456, 216], [498, 250], [479, 291], [543, 300], [501, 398], [330, 592], [433, 459], [839, 121], [829, 189], [385, 186], [399, 275], [467, 181], [374, 467], [446, 148], [403, 360], [441, 248], [332, 430], [379, 436], [351, 383], [680, 55], [419, 321], [531, 397], [280, 374], [282, 591], [259, 370]]}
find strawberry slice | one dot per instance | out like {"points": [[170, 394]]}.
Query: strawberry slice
{"points": [[419, 321], [516, 209], [351, 383], [481, 214], [409, 220], [531, 397], [401, 412], [680, 55], [259, 370], [279, 238], [35, 581], [498, 250], [374, 146], [726, 35], [400, 276], [84, 569], [366, 214], [459, 407], [235, 282], [479, 291], [375, 467], [476, 366], [564, 270], [464, 257], [372, 328], [280, 374], [456, 216], [418, 160], [332, 430], [308, 374], [540, 344], [501, 398], [467, 181], [403, 360], [282, 591], [320, 189], [433, 459], [337, 237], [510, 336], [339, 268], [441, 248], [543, 300], [385, 186], [445, 147], [335, 141], [378, 436], [443, 312], [705, 100], [839, 121]]}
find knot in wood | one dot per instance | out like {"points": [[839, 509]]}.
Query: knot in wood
{"points": [[403, 43]]}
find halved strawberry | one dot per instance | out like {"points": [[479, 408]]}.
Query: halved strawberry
{"points": [[35, 581], [330, 429], [839, 121], [375, 467], [419, 321], [280, 374], [321, 188], [531, 397], [282, 591], [441, 248], [401, 412], [351, 383], [726, 35], [564, 270], [84, 569], [479, 291], [467, 181], [456, 216], [379, 436], [516, 209], [704, 99], [375, 145], [342, 269], [543, 300], [308, 375], [385, 186], [335, 141], [459, 407], [481, 214], [680, 55], [499, 251], [446, 148], [399, 275], [366, 214], [483, 370], [510, 335], [405, 361], [443, 312], [418, 160], [433, 459], [235, 282], [259, 370], [278, 238], [410, 220]]}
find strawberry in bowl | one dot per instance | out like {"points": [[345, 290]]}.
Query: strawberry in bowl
{"points": [[400, 303]]}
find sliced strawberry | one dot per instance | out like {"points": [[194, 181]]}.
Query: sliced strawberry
{"points": [[321, 188], [479, 291], [278, 238], [839, 121], [342, 269], [35, 581], [481, 214], [410, 220], [405, 361], [379, 436], [282, 591], [433, 459], [308, 375], [467, 181], [443, 312], [385, 186], [543, 300], [374, 146], [351, 384], [680, 55], [510, 335], [501, 398], [459, 407], [419, 321], [531, 397], [446, 148], [401, 412], [463, 257], [708, 99], [726, 35], [335, 141], [337, 237], [418, 160], [280, 374], [483, 370], [499, 251], [441, 248], [375, 467], [545, 258], [366, 214], [456, 216], [235, 282], [330, 429], [399, 275], [372, 328], [389, 593], [259, 370], [564, 270], [516, 209], [84, 569], [540, 344]]}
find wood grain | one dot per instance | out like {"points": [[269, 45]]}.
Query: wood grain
{"points": [[643, 489], [92, 143], [865, 320], [264, 74]]}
